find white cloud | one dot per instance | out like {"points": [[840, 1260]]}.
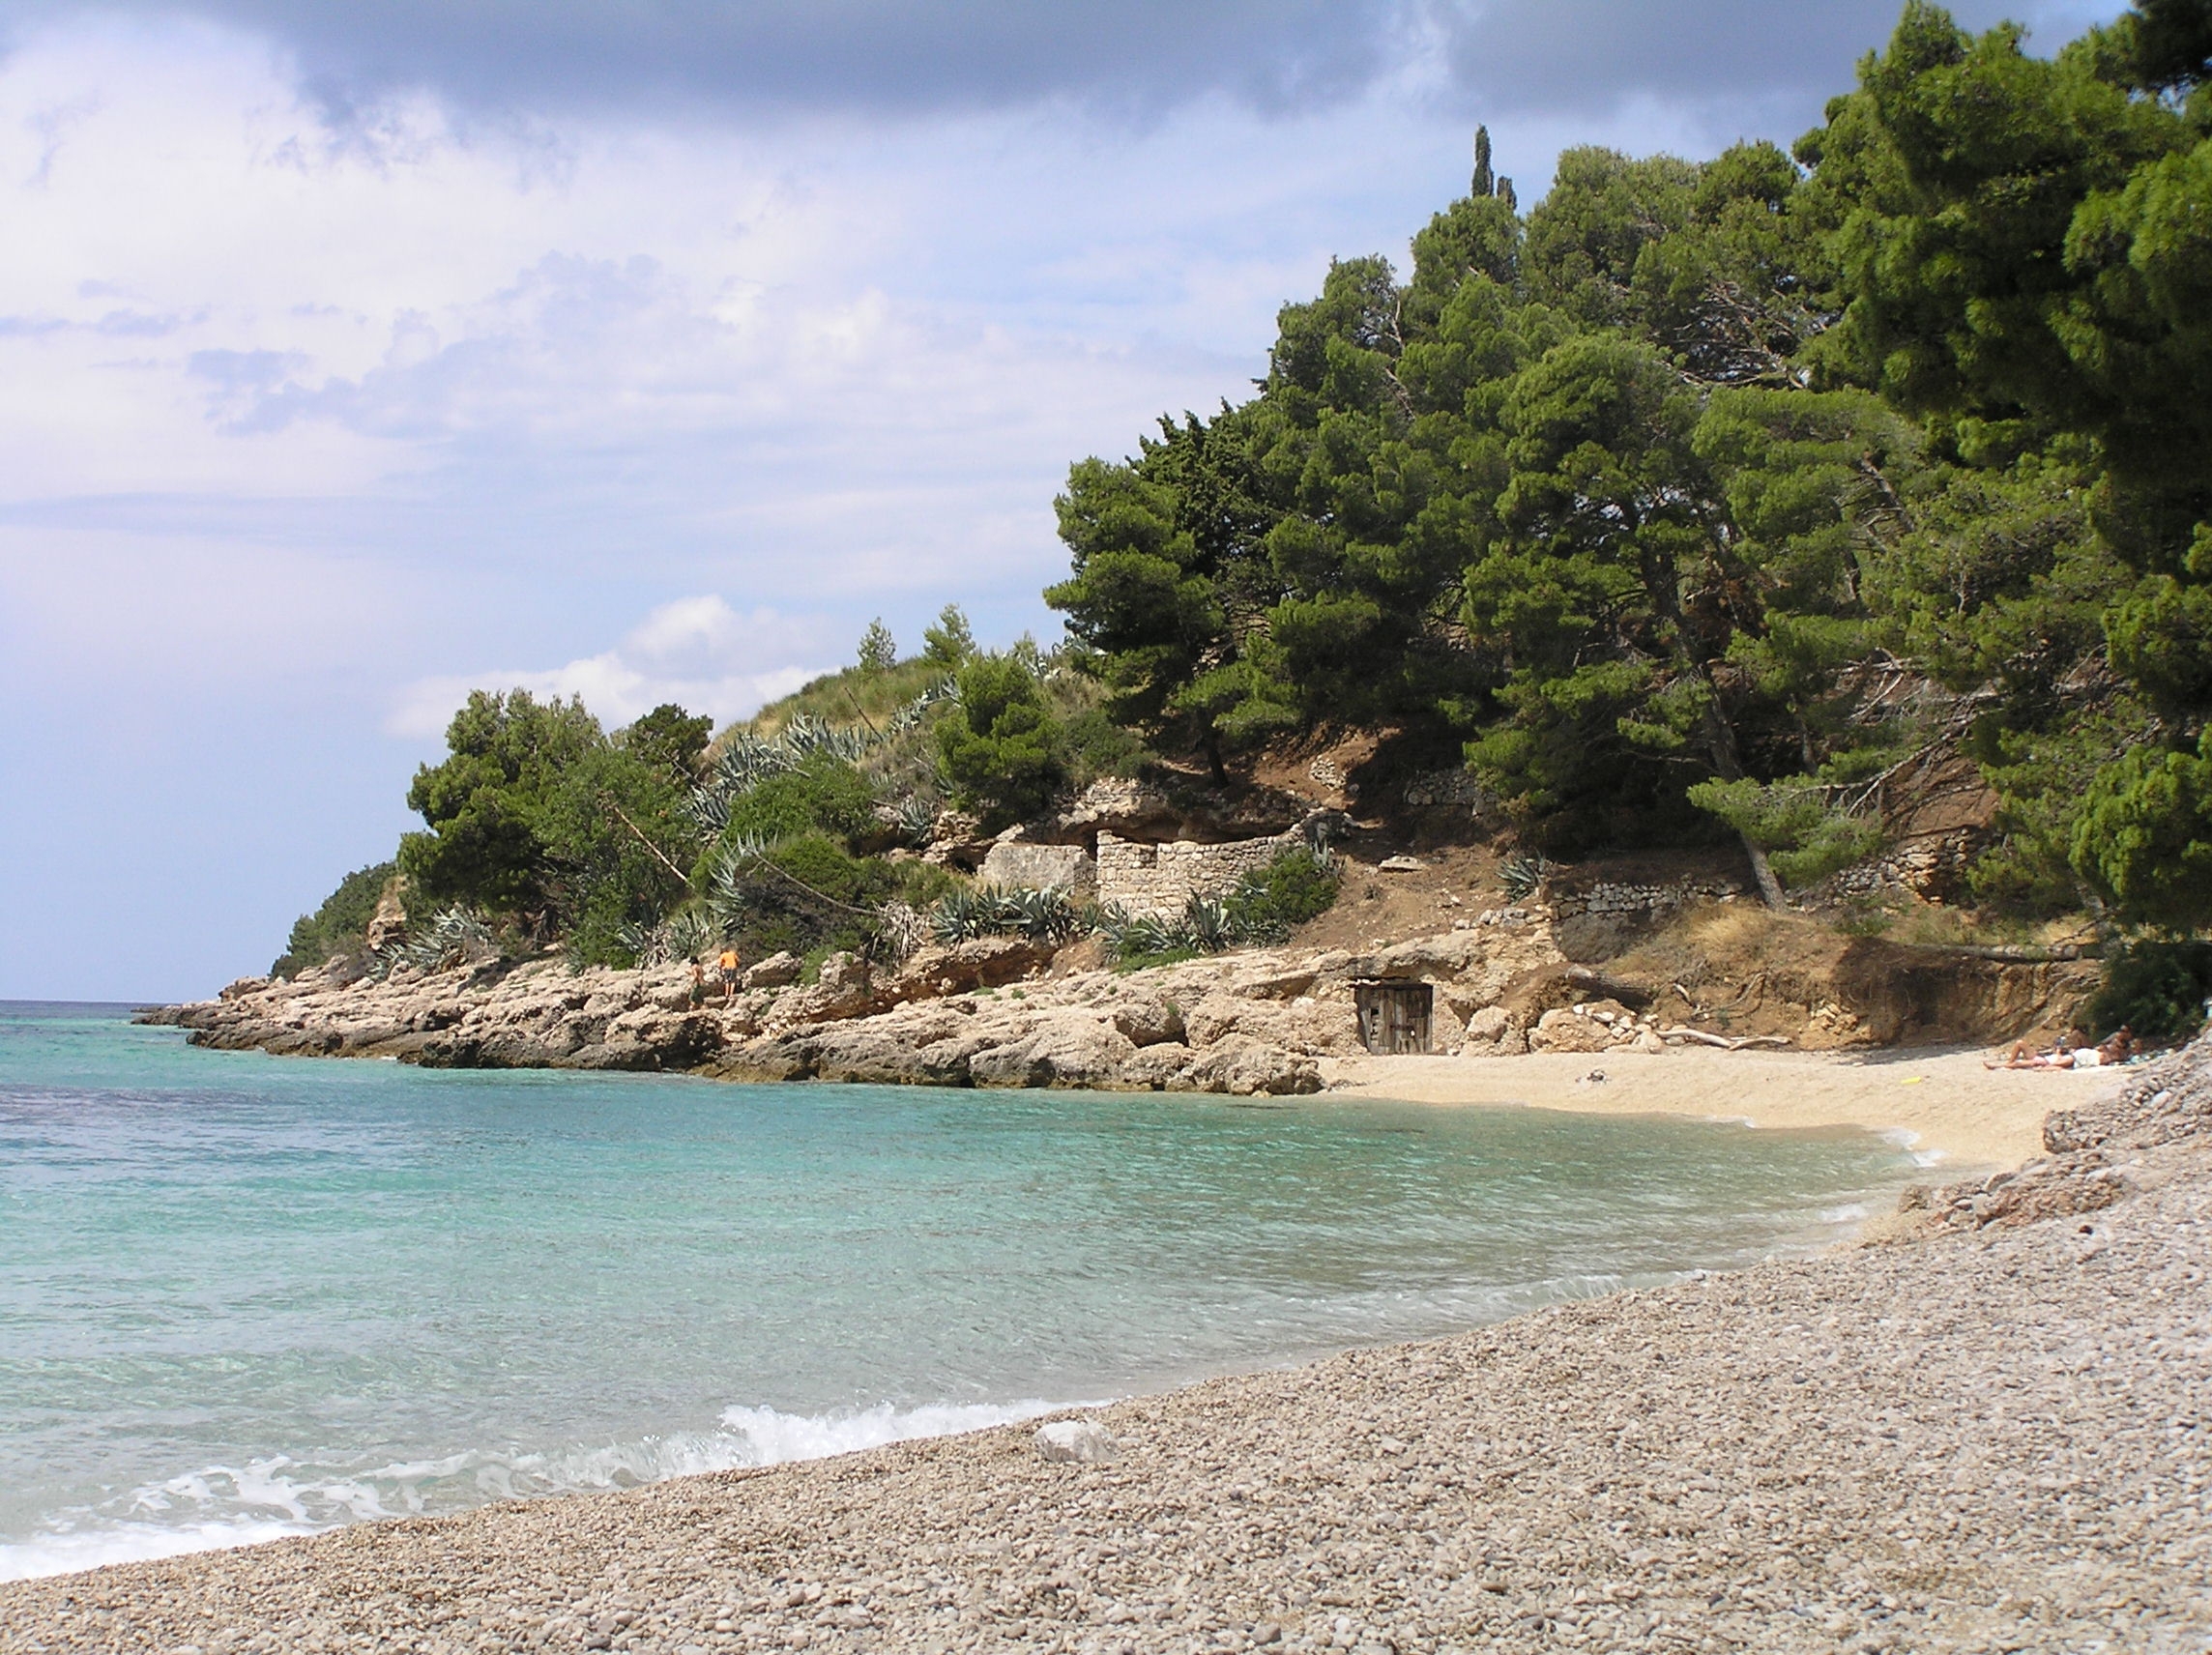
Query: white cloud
{"points": [[696, 652]]}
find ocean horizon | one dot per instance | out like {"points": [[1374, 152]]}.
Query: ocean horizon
{"points": [[248, 1296]]}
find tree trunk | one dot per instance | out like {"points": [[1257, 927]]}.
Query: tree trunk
{"points": [[1728, 763], [1769, 888]]}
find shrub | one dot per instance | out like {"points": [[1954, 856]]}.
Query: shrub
{"points": [[1000, 748], [1097, 746], [822, 794], [2158, 989], [1271, 902]]}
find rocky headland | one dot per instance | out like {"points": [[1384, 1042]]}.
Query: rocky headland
{"points": [[992, 1011], [1608, 966]]}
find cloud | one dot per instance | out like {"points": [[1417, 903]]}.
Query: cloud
{"points": [[880, 55], [696, 652], [908, 57]]}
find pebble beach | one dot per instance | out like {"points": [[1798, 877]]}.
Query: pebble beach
{"points": [[1987, 1432]]}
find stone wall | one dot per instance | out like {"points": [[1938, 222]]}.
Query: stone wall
{"points": [[1609, 897], [1160, 878], [1020, 867]]}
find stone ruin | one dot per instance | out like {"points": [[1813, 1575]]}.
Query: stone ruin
{"points": [[1162, 878], [1139, 878]]}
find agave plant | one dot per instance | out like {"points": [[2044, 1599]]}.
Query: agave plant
{"points": [[806, 734], [1522, 875], [959, 915], [1206, 924], [1044, 916], [943, 691], [456, 937], [916, 819], [682, 936], [726, 884]]}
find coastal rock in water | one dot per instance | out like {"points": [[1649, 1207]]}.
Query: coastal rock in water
{"points": [[1155, 1067], [1076, 1441], [1242, 1067], [1068, 1049]]}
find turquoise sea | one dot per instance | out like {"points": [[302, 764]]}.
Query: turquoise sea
{"points": [[244, 1296]]}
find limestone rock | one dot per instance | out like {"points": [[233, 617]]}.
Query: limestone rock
{"points": [[1488, 1025], [1149, 1019], [777, 970], [981, 962], [843, 972], [1243, 1067], [1563, 1030], [1076, 1441], [1155, 1067]]}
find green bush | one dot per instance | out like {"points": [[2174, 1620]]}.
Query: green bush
{"points": [[2157, 989], [1003, 752], [810, 893], [823, 794], [340, 925], [1297, 887], [1097, 746]]}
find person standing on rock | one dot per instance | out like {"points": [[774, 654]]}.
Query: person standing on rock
{"points": [[698, 984], [728, 965]]}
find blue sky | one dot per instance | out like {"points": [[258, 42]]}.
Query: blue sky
{"points": [[355, 355]]}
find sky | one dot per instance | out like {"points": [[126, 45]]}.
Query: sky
{"points": [[356, 355]]}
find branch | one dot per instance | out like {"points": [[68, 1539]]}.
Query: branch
{"points": [[608, 800]]}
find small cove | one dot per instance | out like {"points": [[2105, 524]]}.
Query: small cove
{"points": [[246, 1295]]}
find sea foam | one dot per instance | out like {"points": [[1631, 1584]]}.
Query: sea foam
{"points": [[276, 1498]]}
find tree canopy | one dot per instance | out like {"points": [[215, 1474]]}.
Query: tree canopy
{"points": [[1708, 492]]}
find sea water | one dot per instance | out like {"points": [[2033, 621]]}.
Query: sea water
{"points": [[244, 1296]]}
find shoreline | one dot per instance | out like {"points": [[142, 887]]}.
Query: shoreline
{"points": [[1961, 1440], [1947, 1108]]}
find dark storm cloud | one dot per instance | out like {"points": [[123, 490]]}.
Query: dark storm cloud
{"points": [[923, 55]]}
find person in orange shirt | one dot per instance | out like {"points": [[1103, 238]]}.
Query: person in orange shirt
{"points": [[728, 965]]}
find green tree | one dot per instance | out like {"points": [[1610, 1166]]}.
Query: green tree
{"points": [[508, 755], [671, 741], [1001, 747], [949, 640], [2025, 251], [340, 925], [878, 649]]}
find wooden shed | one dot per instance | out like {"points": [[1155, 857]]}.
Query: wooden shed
{"points": [[1394, 1017]]}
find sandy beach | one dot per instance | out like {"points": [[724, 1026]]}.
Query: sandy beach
{"points": [[1964, 1116], [1989, 1435]]}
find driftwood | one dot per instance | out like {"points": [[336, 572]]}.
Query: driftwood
{"points": [[1722, 1041], [2007, 954]]}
